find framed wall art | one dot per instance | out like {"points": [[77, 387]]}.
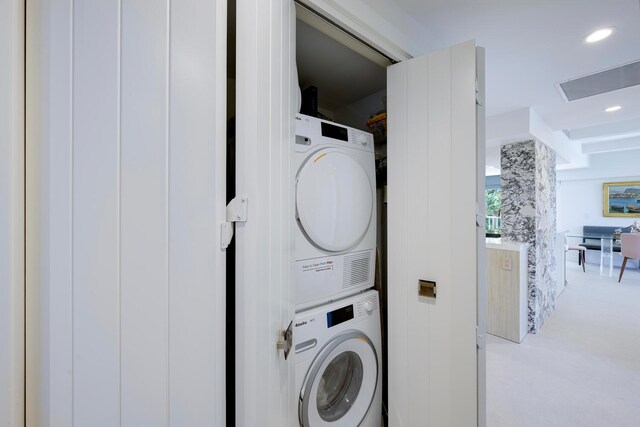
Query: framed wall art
{"points": [[621, 199]]}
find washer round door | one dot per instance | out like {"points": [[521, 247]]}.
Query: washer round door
{"points": [[334, 200], [341, 382]]}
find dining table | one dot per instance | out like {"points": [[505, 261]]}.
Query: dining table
{"points": [[606, 249]]}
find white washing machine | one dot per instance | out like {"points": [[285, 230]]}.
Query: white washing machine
{"points": [[338, 363], [335, 211]]}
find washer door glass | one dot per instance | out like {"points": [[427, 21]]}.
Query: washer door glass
{"points": [[334, 200], [339, 386], [341, 382]]}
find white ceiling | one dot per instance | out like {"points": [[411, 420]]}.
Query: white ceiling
{"points": [[532, 45]]}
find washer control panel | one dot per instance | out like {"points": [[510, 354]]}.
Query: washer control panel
{"points": [[312, 327], [348, 312], [366, 306]]}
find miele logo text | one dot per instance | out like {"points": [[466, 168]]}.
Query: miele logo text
{"points": [[318, 266], [304, 322]]}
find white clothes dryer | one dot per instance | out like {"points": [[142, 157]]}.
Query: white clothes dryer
{"points": [[335, 205], [338, 363]]}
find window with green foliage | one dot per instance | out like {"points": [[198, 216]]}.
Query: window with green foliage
{"points": [[494, 203]]}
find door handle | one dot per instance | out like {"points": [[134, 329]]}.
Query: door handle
{"points": [[427, 288], [285, 341]]}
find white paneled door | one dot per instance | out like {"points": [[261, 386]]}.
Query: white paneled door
{"points": [[126, 119], [265, 82], [433, 144]]}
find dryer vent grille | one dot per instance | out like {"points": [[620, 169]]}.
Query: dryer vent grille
{"points": [[357, 269]]}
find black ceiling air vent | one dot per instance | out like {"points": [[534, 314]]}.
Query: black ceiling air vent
{"points": [[601, 82]]}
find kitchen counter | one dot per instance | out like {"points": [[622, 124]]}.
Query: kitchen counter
{"points": [[507, 245]]}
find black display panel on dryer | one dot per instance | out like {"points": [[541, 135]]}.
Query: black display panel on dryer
{"points": [[335, 132], [340, 315]]}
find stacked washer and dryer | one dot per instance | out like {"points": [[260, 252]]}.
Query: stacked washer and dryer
{"points": [[337, 335]]}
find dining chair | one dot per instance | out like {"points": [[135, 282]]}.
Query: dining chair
{"points": [[629, 248], [581, 251]]}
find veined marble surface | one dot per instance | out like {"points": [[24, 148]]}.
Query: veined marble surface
{"points": [[545, 231], [529, 215]]}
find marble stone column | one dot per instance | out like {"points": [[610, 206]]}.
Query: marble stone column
{"points": [[528, 184]]}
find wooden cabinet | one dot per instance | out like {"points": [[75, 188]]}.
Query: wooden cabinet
{"points": [[507, 290]]}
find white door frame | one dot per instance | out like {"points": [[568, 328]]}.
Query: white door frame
{"points": [[12, 212], [481, 239], [265, 108]]}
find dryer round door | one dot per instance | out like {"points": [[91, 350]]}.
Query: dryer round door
{"points": [[334, 200], [341, 382]]}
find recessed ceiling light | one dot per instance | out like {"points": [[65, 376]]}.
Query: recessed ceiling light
{"points": [[598, 35], [612, 108]]}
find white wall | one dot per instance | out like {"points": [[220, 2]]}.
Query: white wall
{"points": [[614, 164], [11, 213], [357, 114], [126, 191], [580, 193], [580, 190], [581, 204]]}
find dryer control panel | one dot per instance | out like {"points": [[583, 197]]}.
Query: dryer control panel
{"points": [[312, 131]]}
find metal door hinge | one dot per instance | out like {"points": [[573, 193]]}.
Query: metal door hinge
{"points": [[479, 217], [286, 340], [236, 212], [479, 94], [481, 340]]}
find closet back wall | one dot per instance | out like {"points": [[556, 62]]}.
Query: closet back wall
{"points": [[125, 194]]}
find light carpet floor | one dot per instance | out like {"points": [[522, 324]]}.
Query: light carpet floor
{"points": [[582, 368]]}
